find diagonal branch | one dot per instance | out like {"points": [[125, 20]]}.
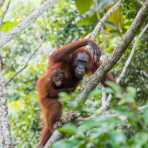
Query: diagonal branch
{"points": [[104, 19], [4, 39], [122, 46], [4, 13], [106, 99], [122, 74], [1, 2], [24, 66], [5, 134], [92, 10]]}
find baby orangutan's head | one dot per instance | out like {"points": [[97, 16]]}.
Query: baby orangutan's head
{"points": [[58, 77]]}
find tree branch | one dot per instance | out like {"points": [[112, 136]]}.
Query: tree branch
{"points": [[1, 2], [95, 9], [55, 137], [122, 46], [122, 74], [93, 34], [4, 13], [4, 39], [106, 99], [23, 67], [104, 19], [5, 134]]}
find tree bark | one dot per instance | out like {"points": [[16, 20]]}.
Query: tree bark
{"points": [[5, 135]]}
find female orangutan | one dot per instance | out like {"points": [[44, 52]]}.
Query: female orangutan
{"points": [[67, 66]]}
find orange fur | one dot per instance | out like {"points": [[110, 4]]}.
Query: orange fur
{"points": [[62, 59]]}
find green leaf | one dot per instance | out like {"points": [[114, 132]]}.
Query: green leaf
{"points": [[118, 137], [86, 125], [116, 88], [116, 18], [68, 129], [88, 20], [83, 6], [141, 139], [7, 26], [131, 94], [67, 144]]}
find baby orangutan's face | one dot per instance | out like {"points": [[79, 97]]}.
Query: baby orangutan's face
{"points": [[58, 77]]}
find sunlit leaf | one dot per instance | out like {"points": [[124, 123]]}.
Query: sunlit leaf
{"points": [[116, 19], [7, 26], [83, 6], [68, 129], [88, 20]]}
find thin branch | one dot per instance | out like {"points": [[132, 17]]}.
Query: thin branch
{"points": [[104, 19], [1, 63], [122, 74], [1, 2], [89, 13], [142, 108], [23, 67], [145, 74], [93, 34], [5, 134], [4, 39], [4, 13], [55, 137], [106, 99]]}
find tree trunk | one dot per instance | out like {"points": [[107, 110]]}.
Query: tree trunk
{"points": [[5, 136]]}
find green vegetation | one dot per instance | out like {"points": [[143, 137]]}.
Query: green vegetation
{"points": [[125, 124]]}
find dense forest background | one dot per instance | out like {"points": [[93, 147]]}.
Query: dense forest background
{"points": [[125, 123]]}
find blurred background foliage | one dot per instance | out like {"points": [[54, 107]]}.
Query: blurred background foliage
{"points": [[25, 59]]}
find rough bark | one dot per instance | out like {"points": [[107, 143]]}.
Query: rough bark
{"points": [[5, 136]]}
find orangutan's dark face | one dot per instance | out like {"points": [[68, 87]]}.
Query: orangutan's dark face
{"points": [[80, 65]]}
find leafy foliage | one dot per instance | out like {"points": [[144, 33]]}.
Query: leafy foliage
{"points": [[137, 74], [117, 127], [124, 125]]}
